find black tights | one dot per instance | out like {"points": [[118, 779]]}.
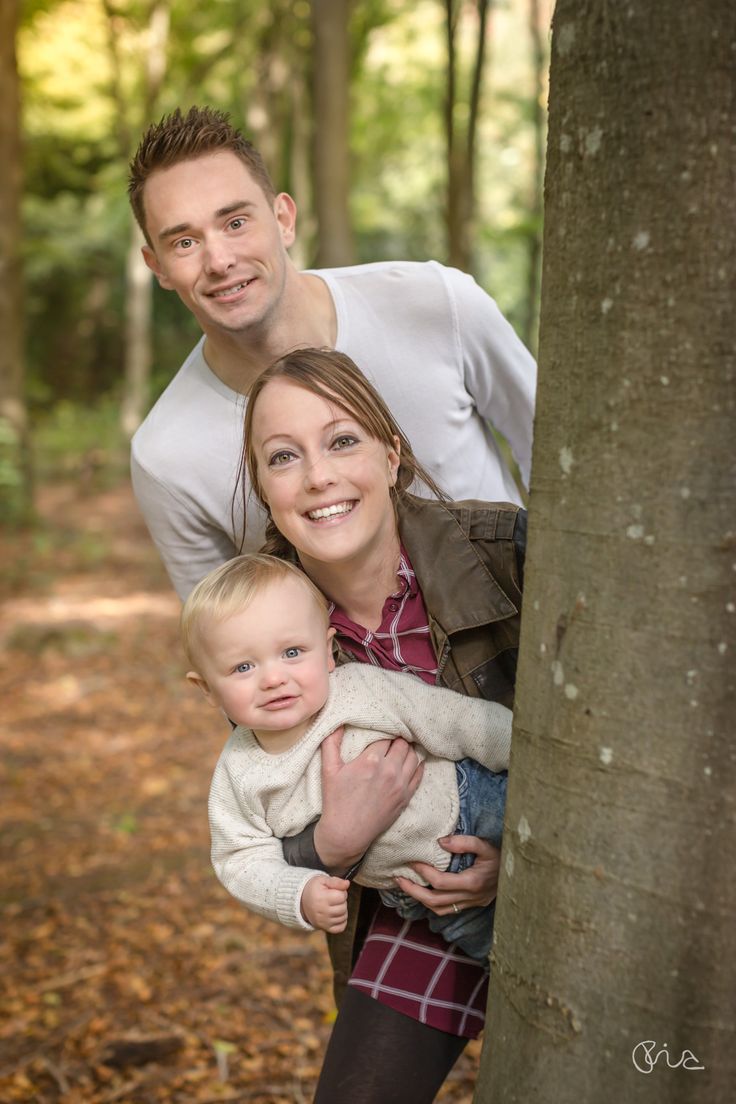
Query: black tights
{"points": [[378, 1056]]}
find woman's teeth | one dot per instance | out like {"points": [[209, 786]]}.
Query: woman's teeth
{"points": [[330, 511]]}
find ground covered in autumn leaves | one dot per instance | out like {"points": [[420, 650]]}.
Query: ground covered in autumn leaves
{"points": [[127, 974]]}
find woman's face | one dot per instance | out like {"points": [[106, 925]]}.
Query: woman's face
{"points": [[325, 479]]}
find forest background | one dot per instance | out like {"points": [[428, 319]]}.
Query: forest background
{"points": [[404, 130]]}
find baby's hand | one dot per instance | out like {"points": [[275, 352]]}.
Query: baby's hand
{"points": [[325, 903]]}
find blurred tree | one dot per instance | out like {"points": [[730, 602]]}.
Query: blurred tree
{"points": [[331, 66], [461, 125], [534, 219], [138, 280], [615, 945], [15, 466]]}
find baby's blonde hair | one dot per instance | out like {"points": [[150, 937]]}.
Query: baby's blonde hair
{"points": [[230, 588]]}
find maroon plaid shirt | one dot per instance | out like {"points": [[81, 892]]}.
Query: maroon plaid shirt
{"points": [[401, 964]]}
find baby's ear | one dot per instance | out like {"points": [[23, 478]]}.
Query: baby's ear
{"points": [[197, 680], [330, 650]]}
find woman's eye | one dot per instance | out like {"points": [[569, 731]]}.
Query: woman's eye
{"points": [[345, 440], [281, 457], [292, 653]]}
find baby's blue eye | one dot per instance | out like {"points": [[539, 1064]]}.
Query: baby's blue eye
{"points": [[243, 668], [292, 653]]}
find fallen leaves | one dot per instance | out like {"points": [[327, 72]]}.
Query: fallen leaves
{"points": [[127, 973]]}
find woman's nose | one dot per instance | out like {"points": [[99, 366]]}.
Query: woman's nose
{"points": [[319, 472]]}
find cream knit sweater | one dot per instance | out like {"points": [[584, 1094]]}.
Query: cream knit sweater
{"points": [[257, 798]]}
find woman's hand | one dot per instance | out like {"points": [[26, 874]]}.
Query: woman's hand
{"points": [[362, 798], [475, 886]]}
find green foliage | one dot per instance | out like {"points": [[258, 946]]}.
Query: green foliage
{"points": [[14, 492], [86, 102], [84, 442]]}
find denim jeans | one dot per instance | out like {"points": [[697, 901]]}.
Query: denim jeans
{"points": [[482, 802]]}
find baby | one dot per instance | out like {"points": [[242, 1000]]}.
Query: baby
{"points": [[256, 632]]}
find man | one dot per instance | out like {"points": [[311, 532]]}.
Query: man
{"points": [[433, 343]]}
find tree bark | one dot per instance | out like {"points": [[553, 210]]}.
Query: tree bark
{"points": [[331, 157], [616, 922], [16, 482]]}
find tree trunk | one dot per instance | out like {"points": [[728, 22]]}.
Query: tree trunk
{"points": [[331, 157], [615, 946], [534, 251], [16, 484], [461, 139], [138, 280]]}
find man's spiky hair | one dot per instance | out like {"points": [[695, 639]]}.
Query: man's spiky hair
{"points": [[178, 137]]}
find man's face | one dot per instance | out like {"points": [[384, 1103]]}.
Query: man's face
{"points": [[218, 242]]}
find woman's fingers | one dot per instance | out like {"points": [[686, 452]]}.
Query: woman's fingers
{"points": [[475, 886]]}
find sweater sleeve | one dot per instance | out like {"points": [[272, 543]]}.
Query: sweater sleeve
{"points": [[247, 857], [445, 723]]}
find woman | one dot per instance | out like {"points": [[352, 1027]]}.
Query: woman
{"points": [[424, 586]]}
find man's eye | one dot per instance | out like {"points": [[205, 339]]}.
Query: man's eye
{"points": [[185, 243], [243, 668], [292, 653], [236, 223]]}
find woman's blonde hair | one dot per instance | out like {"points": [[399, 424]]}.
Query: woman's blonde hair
{"points": [[231, 587], [337, 379]]}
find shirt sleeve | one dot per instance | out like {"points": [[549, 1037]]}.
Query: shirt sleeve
{"points": [[188, 545], [500, 374]]}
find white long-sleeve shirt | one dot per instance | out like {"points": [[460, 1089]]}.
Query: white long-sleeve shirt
{"points": [[433, 343], [257, 798]]}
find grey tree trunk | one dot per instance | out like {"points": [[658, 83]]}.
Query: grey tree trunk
{"points": [[331, 156], [615, 952], [16, 483]]}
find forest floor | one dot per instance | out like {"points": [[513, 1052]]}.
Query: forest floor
{"points": [[127, 973]]}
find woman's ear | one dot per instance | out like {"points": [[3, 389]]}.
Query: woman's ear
{"points": [[394, 460]]}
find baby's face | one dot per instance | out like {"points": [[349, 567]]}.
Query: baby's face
{"points": [[268, 666]]}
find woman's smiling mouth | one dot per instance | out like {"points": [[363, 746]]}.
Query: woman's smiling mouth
{"points": [[338, 509]]}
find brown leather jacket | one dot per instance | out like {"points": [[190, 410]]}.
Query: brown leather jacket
{"points": [[468, 559]]}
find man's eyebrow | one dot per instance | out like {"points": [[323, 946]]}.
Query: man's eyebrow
{"points": [[221, 212]]}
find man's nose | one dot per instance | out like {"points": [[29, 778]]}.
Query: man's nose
{"points": [[219, 256]]}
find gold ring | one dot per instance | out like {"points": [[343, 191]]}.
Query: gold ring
{"points": [[455, 908]]}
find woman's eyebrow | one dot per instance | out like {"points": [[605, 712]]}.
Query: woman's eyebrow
{"points": [[284, 435]]}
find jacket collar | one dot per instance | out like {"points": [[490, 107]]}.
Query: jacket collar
{"points": [[459, 591]]}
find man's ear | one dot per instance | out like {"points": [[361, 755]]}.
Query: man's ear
{"points": [[152, 261], [284, 209], [330, 653], [197, 680]]}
